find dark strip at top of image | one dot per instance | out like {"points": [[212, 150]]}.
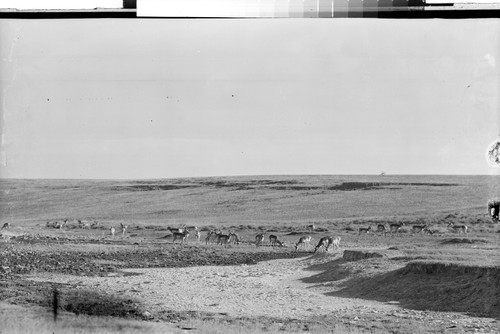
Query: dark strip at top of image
{"points": [[181, 9]]}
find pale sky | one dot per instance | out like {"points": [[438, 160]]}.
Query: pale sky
{"points": [[131, 98]]}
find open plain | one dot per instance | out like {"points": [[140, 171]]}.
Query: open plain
{"points": [[431, 280]]}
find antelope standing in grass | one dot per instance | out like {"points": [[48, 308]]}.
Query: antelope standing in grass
{"points": [[303, 241], [273, 240], [234, 238], [394, 228], [198, 236], [259, 239], [112, 231], [5, 226], [223, 239], [323, 242], [209, 236], [364, 230], [458, 228], [124, 229], [381, 229], [60, 223], [335, 242], [310, 227], [180, 235], [84, 224], [418, 228]]}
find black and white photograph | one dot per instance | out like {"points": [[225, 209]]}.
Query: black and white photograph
{"points": [[249, 166]]}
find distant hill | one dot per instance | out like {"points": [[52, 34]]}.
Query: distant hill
{"points": [[244, 199]]}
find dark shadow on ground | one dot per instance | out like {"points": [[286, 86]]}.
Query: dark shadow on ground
{"points": [[420, 286]]}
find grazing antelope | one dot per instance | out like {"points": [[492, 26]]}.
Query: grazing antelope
{"points": [[5, 226], [364, 230], [113, 231], [426, 230], [209, 236], [60, 223], [310, 227], [323, 242], [381, 228], [394, 228], [234, 238], [303, 241], [259, 239], [274, 240], [223, 239], [418, 228], [83, 224], [180, 235], [335, 242], [458, 228], [124, 229]]}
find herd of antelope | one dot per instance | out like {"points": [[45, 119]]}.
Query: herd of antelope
{"points": [[218, 237], [325, 243], [396, 227]]}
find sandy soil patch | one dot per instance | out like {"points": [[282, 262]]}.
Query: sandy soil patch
{"points": [[271, 288], [268, 289]]}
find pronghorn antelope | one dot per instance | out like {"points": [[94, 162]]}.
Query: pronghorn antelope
{"points": [[234, 238], [418, 228], [364, 230], [198, 236], [426, 230], [5, 226], [458, 228], [303, 241], [209, 236], [180, 235], [381, 228], [84, 224], [259, 239], [323, 242], [274, 240], [394, 228], [335, 242], [113, 231], [223, 239], [60, 223], [310, 227], [124, 229], [212, 236]]}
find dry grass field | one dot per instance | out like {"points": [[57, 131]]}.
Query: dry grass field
{"points": [[439, 282]]}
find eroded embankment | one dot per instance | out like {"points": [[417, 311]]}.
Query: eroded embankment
{"points": [[434, 286]]}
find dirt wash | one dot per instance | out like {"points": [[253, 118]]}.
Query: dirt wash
{"points": [[269, 289]]}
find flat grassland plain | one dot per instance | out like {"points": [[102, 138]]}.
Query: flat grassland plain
{"points": [[143, 281]]}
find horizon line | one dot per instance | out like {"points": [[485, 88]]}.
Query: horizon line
{"points": [[229, 176]]}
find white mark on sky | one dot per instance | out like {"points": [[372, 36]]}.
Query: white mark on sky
{"points": [[490, 59]]}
